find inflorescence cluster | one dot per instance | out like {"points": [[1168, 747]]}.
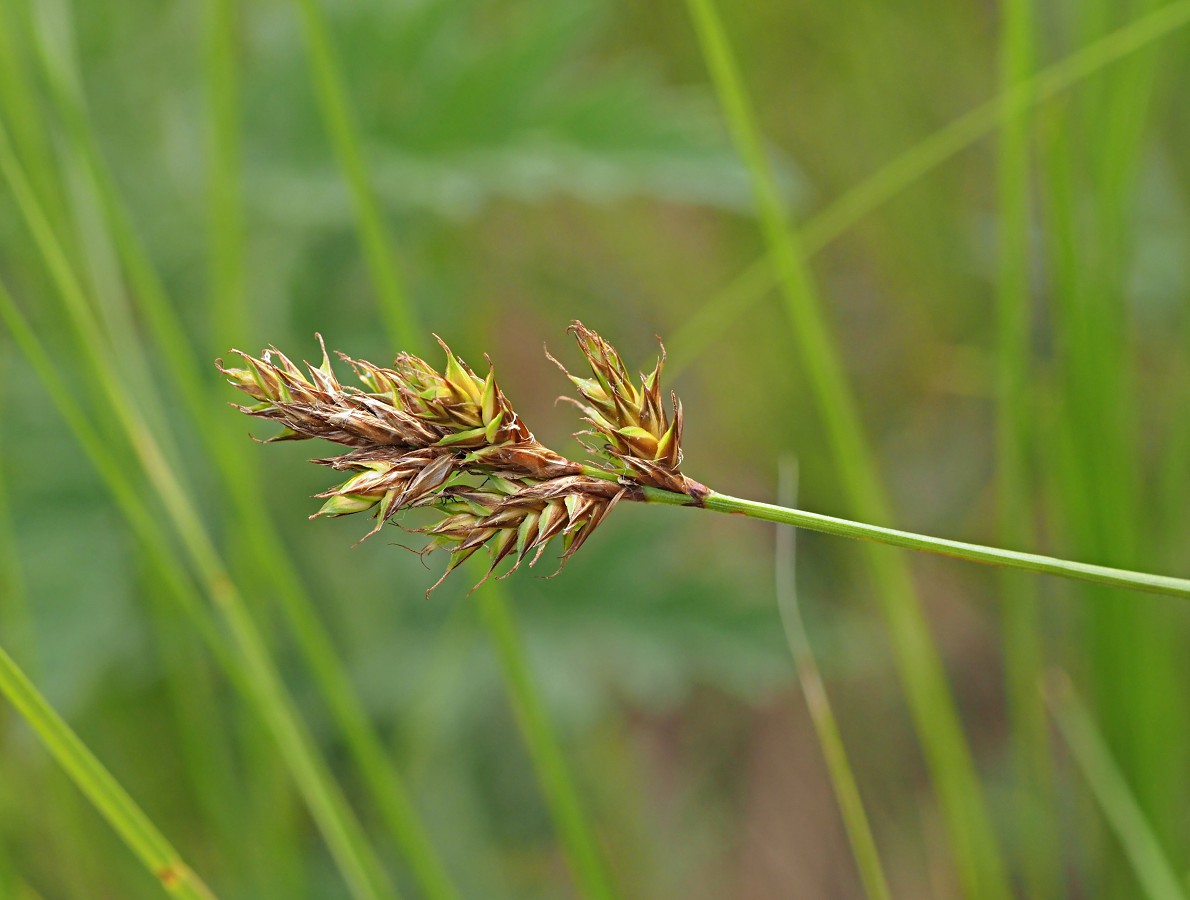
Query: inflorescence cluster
{"points": [[450, 441]]}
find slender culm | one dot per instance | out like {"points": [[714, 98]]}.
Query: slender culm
{"points": [[452, 442]]}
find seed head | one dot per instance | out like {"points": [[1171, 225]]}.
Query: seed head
{"points": [[451, 441], [642, 442], [519, 517], [318, 406], [410, 406]]}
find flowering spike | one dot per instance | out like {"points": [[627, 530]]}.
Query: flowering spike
{"points": [[488, 401], [414, 437], [459, 378], [346, 504], [641, 442]]}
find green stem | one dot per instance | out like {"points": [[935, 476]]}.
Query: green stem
{"points": [[992, 556], [120, 810]]}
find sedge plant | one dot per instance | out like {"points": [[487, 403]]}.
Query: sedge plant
{"points": [[453, 443]]}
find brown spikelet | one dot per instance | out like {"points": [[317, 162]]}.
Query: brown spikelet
{"points": [[451, 441], [410, 407], [417, 437], [642, 442], [519, 519]]}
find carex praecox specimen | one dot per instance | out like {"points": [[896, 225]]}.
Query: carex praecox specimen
{"points": [[451, 441]]}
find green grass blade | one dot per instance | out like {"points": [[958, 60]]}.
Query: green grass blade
{"points": [[202, 726], [1035, 830], [225, 217], [222, 438], [553, 774], [252, 673], [851, 805], [129, 497], [342, 832], [95, 260], [112, 801], [927, 155], [1124, 815], [969, 829], [750, 286], [1094, 164], [18, 105], [394, 303], [61, 802]]}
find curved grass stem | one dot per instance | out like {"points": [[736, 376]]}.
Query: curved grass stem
{"points": [[992, 556]]}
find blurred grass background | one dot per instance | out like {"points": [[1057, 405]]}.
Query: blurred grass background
{"points": [[1001, 249]]}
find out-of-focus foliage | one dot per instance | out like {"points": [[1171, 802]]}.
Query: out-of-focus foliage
{"points": [[540, 162]]}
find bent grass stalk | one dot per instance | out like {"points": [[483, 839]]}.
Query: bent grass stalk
{"points": [[452, 441], [97, 783], [979, 553]]}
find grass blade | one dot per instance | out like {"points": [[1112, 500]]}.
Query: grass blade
{"points": [[1156, 876], [18, 105], [125, 489], [970, 832], [70, 838], [342, 832], [1020, 622], [544, 748], [225, 216], [1094, 159], [112, 801], [395, 307], [222, 440], [751, 285]]}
